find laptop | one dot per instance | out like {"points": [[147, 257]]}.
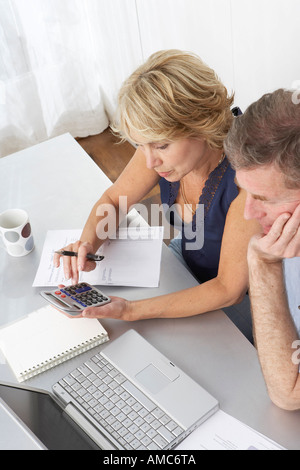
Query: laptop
{"points": [[127, 396]]}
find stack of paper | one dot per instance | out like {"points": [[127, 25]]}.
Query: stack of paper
{"points": [[132, 259], [224, 432]]}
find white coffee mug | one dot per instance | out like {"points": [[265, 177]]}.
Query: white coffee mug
{"points": [[15, 230]]}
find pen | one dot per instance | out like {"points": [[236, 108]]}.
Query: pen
{"points": [[73, 253]]}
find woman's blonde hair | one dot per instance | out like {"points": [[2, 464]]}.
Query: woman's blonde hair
{"points": [[174, 95]]}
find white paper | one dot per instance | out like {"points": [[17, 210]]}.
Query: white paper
{"points": [[224, 432], [132, 259]]}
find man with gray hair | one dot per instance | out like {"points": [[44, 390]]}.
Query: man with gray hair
{"points": [[263, 146]]}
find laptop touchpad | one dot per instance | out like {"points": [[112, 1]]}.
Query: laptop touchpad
{"points": [[152, 379]]}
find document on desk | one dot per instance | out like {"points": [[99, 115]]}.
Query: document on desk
{"points": [[224, 432], [131, 259]]}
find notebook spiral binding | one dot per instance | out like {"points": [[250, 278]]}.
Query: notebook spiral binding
{"points": [[64, 356]]}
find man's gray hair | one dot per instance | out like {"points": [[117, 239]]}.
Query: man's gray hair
{"points": [[268, 133]]}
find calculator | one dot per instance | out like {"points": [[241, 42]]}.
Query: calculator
{"points": [[73, 299]]}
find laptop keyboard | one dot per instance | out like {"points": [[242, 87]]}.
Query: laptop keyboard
{"points": [[119, 406]]}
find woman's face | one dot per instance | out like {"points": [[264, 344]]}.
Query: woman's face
{"points": [[173, 160]]}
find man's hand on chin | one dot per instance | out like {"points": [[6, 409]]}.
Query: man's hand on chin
{"points": [[282, 241]]}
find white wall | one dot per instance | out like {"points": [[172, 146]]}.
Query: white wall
{"points": [[254, 45], [62, 62], [200, 26]]}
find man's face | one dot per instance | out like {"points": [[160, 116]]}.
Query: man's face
{"points": [[267, 195]]}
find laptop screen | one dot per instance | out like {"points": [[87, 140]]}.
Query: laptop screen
{"points": [[46, 419]]}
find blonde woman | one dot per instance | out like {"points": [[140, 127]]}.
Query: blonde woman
{"points": [[178, 113]]}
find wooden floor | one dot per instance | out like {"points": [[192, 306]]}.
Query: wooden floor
{"points": [[111, 156]]}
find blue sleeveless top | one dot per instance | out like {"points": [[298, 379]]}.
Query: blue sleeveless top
{"points": [[208, 221]]}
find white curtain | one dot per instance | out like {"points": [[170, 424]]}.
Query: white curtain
{"points": [[61, 65], [62, 61]]}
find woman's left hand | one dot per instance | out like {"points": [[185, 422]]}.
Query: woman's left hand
{"points": [[117, 309]]}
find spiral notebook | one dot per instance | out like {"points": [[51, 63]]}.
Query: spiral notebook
{"points": [[46, 338]]}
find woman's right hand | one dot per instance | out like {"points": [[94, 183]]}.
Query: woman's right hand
{"points": [[72, 265]]}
